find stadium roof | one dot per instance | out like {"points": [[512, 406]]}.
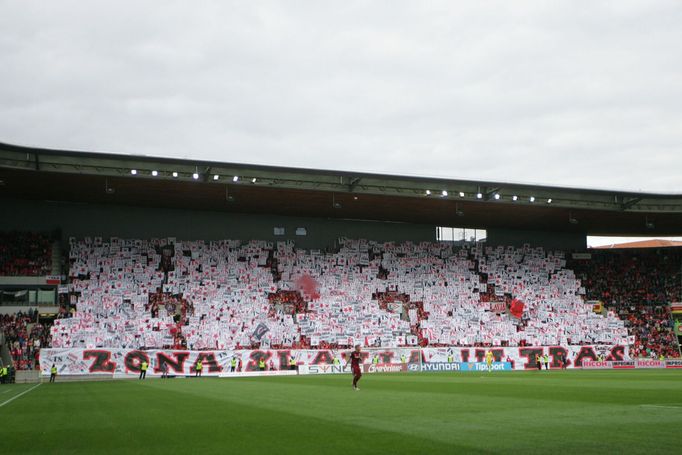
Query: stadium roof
{"points": [[93, 177]]}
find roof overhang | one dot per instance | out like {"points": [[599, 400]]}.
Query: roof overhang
{"points": [[34, 173]]}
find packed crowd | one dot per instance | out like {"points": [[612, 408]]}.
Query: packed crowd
{"points": [[638, 285], [227, 294], [626, 277], [164, 293], [25, 254], [24, 336], [653, 328]]}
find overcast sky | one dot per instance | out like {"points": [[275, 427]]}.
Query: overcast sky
{"points": [[575, 93]]}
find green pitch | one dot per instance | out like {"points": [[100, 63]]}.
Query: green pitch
{"points": [[429, 413]]}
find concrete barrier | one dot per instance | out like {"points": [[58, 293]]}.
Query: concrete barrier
{"points": [[27, 376]]}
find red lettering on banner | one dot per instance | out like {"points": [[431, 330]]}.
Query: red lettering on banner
{"points": [[133, 361], [164, 360], [78, 361], [498, 354], [617, 353], [623, 365], [255, 357], [585, 353], [209, 359], [415, 356], [324, 358], [529, 354], [555, 352], [480, 355], [102, 363], [283, 357], [590, 364], [363, 355], [386, 357]]}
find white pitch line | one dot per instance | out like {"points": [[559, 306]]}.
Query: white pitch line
{"points": [[17, 396], [660, 406]]}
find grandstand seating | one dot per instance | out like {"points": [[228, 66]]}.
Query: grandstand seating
{"points": [[25, 254], [625, 277], [24, 338], [229, 294], [653, 329], [638, 285]]}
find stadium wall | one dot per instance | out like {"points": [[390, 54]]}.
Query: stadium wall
{"points": [[82, 220], [14, 309]]}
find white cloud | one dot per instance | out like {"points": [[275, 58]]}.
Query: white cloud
{"points": [[567, 93]]}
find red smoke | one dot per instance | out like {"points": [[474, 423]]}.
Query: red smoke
{"points": [[308, 286]]}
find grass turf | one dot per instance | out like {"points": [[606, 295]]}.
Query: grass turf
{"points": [[429, 413]]}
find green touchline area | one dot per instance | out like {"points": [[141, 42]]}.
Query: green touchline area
{"points": [[516, 412]]}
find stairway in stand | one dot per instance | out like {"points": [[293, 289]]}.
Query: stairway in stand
{"points": [[56, 258]]}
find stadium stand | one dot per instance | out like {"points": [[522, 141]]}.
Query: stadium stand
{"points": [[653, 328], [160, 293], [25, 254], [163, 293], [624, 277], [638, 285], [24, 337]]}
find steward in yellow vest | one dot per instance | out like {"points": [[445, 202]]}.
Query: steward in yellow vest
{"points": [[143, 369]]}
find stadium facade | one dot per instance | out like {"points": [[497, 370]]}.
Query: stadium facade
{"points": [[105, 194], [84, 196]]}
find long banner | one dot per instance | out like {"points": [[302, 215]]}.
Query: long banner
{"points": [[105, 361], [342, 369], [465, 366], [639, 363]]}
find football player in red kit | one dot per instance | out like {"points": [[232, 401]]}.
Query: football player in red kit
{"points": [[355, 360]]}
